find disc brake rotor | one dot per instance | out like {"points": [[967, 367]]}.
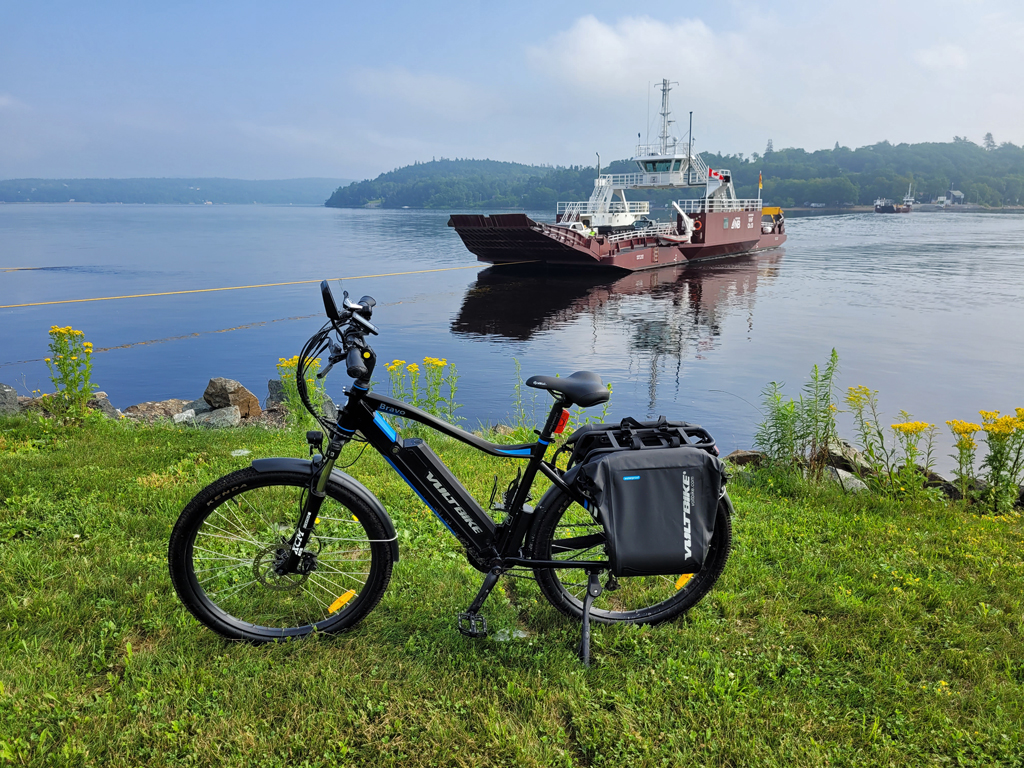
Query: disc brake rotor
{"points": [[264, 565]]}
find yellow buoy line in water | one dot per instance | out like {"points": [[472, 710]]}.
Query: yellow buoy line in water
{"points": [[230, 288]]}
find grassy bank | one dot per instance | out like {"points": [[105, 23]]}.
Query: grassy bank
{"points": [[847, 630]]}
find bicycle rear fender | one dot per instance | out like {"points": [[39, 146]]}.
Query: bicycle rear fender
{"points": [[348, 482]]}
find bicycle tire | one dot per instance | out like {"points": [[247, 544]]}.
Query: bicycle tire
{"points": [[241, 522], [638, 599]]}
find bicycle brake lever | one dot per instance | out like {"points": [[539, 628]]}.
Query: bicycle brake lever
{"points": [[325, 371]]}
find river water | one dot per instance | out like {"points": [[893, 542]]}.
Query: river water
{"points": [[926, 308]]}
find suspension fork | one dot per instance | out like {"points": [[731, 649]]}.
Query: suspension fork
{"points": [[314, 500]]}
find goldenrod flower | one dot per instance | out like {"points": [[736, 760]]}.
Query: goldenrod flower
{"points": [[1004, 425], [911, 427], [47, 359], [412, 368], [989, 415], [962, 428]]}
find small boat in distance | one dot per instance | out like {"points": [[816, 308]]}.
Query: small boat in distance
{"points": [[885, 205], [610, 231]]}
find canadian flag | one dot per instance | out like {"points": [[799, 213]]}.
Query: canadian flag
{"points": [[713, 174]]}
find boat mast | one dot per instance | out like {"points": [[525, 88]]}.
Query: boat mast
{"points": [[666, 86]]}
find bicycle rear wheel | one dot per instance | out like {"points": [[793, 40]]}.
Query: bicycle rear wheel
{"points": [[566, 531], [225, 544]]}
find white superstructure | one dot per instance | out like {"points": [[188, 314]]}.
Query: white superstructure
{"points": [[665, 165]]}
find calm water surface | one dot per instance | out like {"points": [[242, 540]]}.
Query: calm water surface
{"points": [[926, 308]]}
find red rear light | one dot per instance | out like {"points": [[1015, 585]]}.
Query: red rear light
{"points": [[562, 421]]}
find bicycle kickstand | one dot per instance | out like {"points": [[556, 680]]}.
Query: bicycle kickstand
{"points": [[472, 623], [593, 590]]}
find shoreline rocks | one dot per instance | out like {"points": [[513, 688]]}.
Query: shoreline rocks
{"points": [[224, 393]]}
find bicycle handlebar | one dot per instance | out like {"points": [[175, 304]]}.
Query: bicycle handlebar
{"points": [[354, 363]]}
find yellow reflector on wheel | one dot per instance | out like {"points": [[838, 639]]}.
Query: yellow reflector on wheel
{"points": [[337, 604], [683, 580]]}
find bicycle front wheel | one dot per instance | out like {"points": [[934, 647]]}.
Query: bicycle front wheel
{"points": [[566, 531], [229, 538]]}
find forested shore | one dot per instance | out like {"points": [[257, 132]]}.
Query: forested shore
{"points": [[990, 175]]}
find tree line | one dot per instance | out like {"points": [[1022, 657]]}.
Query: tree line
{"points": [[989, 174]]}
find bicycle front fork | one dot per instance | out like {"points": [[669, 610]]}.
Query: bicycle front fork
{"points": [[308, 513]]}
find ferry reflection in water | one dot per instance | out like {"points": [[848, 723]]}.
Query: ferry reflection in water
{"points": [[671, 314]]}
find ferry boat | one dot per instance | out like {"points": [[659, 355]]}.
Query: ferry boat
{"points": [[610, 231], [884, 205]]}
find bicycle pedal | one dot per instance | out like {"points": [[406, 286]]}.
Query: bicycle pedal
{"points": [[473, 625]]}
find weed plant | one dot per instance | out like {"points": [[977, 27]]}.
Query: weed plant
{"points": [[70, 365], [800, 435], [298, 417], [436, 396]]}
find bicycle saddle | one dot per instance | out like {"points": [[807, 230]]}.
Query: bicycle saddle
{"points": [[583, 388]]}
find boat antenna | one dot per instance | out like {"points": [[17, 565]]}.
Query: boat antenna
{"points": [[648, 113], [689, 149], [598, 164]]}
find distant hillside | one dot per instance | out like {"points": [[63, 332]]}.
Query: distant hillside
{"points": [[467, 184], [992, 176], [153, 191]]}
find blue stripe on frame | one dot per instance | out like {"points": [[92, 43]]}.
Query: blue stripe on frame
{"points": [[386, 428], [517, 452]]}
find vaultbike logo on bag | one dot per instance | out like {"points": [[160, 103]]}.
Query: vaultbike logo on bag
{"points": [[688, 502]]}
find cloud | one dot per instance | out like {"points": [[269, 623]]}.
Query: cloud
{"points": [[612, 58], [425, 92], [942, 57], [8, 102]]}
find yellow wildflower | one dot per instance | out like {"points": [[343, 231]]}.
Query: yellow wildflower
{"points": [[989, 415], [394, 365], [1004, 425], [911, 427], [412, 368], [47, 359], [963, 428]]}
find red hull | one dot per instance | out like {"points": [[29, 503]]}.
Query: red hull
{"points": [[516, 238]]}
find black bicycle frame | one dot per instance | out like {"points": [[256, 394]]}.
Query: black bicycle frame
{"points": [[441, 491]]}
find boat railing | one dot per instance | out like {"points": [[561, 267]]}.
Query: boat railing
{"points": [[652, 231], [718, 205], [691, 176], [571, 211]]}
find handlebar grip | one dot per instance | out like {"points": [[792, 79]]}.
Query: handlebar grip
{"points": [[354, 363]]}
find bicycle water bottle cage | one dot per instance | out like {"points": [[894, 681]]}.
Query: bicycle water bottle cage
{"points": [[582, 388]]}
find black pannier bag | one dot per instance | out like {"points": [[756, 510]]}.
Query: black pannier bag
{"points": [[657, 503], [590, 439]]}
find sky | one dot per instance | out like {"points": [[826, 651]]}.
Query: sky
{"points": [[261, 90]]}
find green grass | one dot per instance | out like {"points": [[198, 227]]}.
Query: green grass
{"points": [[845, 631]]}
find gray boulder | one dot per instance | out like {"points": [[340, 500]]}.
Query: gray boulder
{"points": [[185, 417], [275, 393], [151, 411], [849, 481], [221, 417], [844, 456], [222, 393], [743, 458], [100, 402], [199, 406], [8, 400]]}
